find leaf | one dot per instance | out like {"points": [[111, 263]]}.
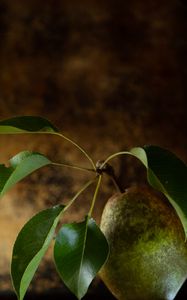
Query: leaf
{"points": [[26, 124], [168, 174], [80, 251], [30, 247], [21, 165]]}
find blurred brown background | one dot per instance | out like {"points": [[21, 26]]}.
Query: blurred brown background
{"points": [[111, 75]]}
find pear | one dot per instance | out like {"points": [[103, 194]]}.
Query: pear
{"points": [[148, 252]]}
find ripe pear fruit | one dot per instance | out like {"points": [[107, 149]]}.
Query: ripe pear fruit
{"points": [[148, 252]]}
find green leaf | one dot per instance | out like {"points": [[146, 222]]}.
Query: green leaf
{"points": [[168, 174], [30, 247], [80, 251], [20, 166], [26, 124]]}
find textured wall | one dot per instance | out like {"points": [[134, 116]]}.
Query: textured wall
{"points": [[110, 74]]}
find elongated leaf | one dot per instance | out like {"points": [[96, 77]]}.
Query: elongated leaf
{"points": [[30, 247], [26, 124], [21, 165], [168, 174], [80, 251]]}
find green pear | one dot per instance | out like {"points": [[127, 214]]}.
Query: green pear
{"points": [[148, 252]]}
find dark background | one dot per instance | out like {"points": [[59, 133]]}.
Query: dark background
{"points": [[111, 75]]}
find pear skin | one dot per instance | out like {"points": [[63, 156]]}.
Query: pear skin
{"points": [[148, 252]]}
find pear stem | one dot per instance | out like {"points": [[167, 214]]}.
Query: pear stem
{"points": [[103, 167], [117, 184]]}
